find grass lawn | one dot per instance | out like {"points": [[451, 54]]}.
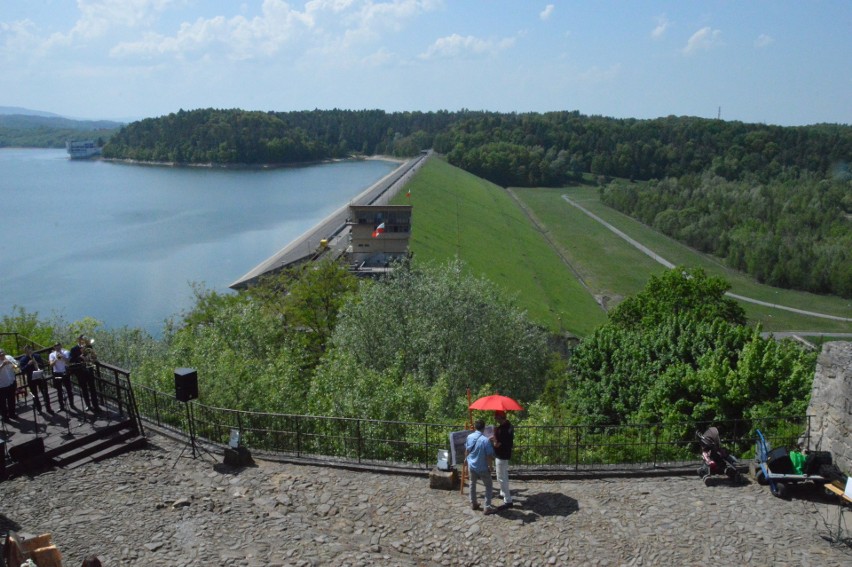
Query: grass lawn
{"points": [[612, 267], [456, 214]]}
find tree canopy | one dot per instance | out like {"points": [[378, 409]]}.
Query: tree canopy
{"points": [[438, 328], [790, 233], [526, 149], [678, 351]]}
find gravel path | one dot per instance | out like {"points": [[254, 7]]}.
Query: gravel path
{"points": [[153, 507]]}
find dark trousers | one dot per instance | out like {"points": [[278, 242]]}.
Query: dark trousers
{"points": [[86, 382], [7, 402], [63, 380], [37, 386]]}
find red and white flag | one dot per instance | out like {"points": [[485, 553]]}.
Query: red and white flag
{"points": [[379, 230]]}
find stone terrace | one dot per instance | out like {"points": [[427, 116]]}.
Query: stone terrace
{"points": [[159, 506]]}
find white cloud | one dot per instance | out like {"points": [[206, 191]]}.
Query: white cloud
{"points": [[98, 16], [547, 12], [18, 37], [239, 37], [324, 26], [456, 45], [763, 40], [663, 24], [704, 39]]}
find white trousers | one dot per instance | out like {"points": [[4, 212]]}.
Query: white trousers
{"points": [[503, 479]]}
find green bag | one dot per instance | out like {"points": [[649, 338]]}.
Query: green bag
{"points": [[798, 460]]}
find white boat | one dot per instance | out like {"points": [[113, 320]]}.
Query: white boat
{"points": [[82, 149]]}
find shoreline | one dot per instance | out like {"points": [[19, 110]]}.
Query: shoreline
{"points": [[261, 166]]}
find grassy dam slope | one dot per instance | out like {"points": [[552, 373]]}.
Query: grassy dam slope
{"points": [[563, 265], [457, 214]]}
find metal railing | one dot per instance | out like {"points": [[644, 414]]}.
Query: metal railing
{"points": [[414, 445], [115, 390]]}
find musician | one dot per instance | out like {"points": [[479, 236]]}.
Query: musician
{"points": [[58, 361], [82, 359], [8, 385], [32, 365]]}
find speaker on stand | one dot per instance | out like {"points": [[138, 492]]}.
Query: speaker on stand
{"points": [[186, 390], [186, 384]]}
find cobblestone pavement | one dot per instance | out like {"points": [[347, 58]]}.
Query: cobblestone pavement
{"points": [[154, 507]]}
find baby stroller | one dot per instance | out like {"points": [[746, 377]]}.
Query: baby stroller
{"points": [[717, 460]]}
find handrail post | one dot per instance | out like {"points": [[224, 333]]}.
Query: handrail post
{"points": [[426, 445], [298, 436], [577, 449], [656, 446], [118, 394], [358, 429], [240, 423], [808, 432]]}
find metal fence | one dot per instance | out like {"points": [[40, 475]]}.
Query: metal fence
{"points": [[414, 445]]}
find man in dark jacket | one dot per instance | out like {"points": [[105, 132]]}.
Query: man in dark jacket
{"points": [[31, 363], [82, 355]]}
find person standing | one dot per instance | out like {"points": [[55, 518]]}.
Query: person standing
{"points": [[8, 385], [82, 355], [32, 366], [58, 361], [504, 440], [478, 449]]}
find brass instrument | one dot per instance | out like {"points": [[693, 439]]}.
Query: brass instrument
{"points": [[90, 357]]}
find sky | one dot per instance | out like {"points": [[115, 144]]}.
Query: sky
{"points": [[785, 62]]}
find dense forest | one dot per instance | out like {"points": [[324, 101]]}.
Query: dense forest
{"points": [[524, 150], [243, 137], [772, 201], [789, 233]]}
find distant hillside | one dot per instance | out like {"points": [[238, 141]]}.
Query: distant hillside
{"points": [[24, 111], [45, 130]]}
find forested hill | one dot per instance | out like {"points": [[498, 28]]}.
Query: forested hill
{"points": [[528, 149], [250, 137], [49, 131]]}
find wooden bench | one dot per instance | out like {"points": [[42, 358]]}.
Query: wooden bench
{"points": [[831, 487]]}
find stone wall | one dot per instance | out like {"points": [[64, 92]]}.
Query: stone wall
{"points": [[831, 404]]}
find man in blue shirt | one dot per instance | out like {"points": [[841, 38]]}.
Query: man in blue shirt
{"points": [[478, 449]]}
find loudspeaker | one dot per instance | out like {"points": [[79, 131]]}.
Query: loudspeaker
{"points": [[778, 461], [27, 451], [186, 384], [816, 459]]}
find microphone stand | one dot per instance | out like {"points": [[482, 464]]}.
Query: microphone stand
{"points": [[65, 407], [35, 417]]}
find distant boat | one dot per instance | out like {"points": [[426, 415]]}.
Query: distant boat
{"points": [[82, 149]]}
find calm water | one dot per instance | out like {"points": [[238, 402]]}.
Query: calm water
{"points": [[121, 243]]}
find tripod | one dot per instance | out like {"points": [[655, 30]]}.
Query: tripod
{"points": [[196, 450]]}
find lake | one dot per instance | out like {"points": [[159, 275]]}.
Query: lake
{"points": [[121, 243]]}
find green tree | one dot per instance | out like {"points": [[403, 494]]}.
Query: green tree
{"points": [[679, 290], [245, 357], [308, 298], [29, 328], [679, 352], [444, 329]]}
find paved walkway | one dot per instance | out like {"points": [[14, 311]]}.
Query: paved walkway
{"points": [[155, 507]]}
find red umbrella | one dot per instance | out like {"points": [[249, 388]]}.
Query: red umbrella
{"points": [[496, 402]]}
